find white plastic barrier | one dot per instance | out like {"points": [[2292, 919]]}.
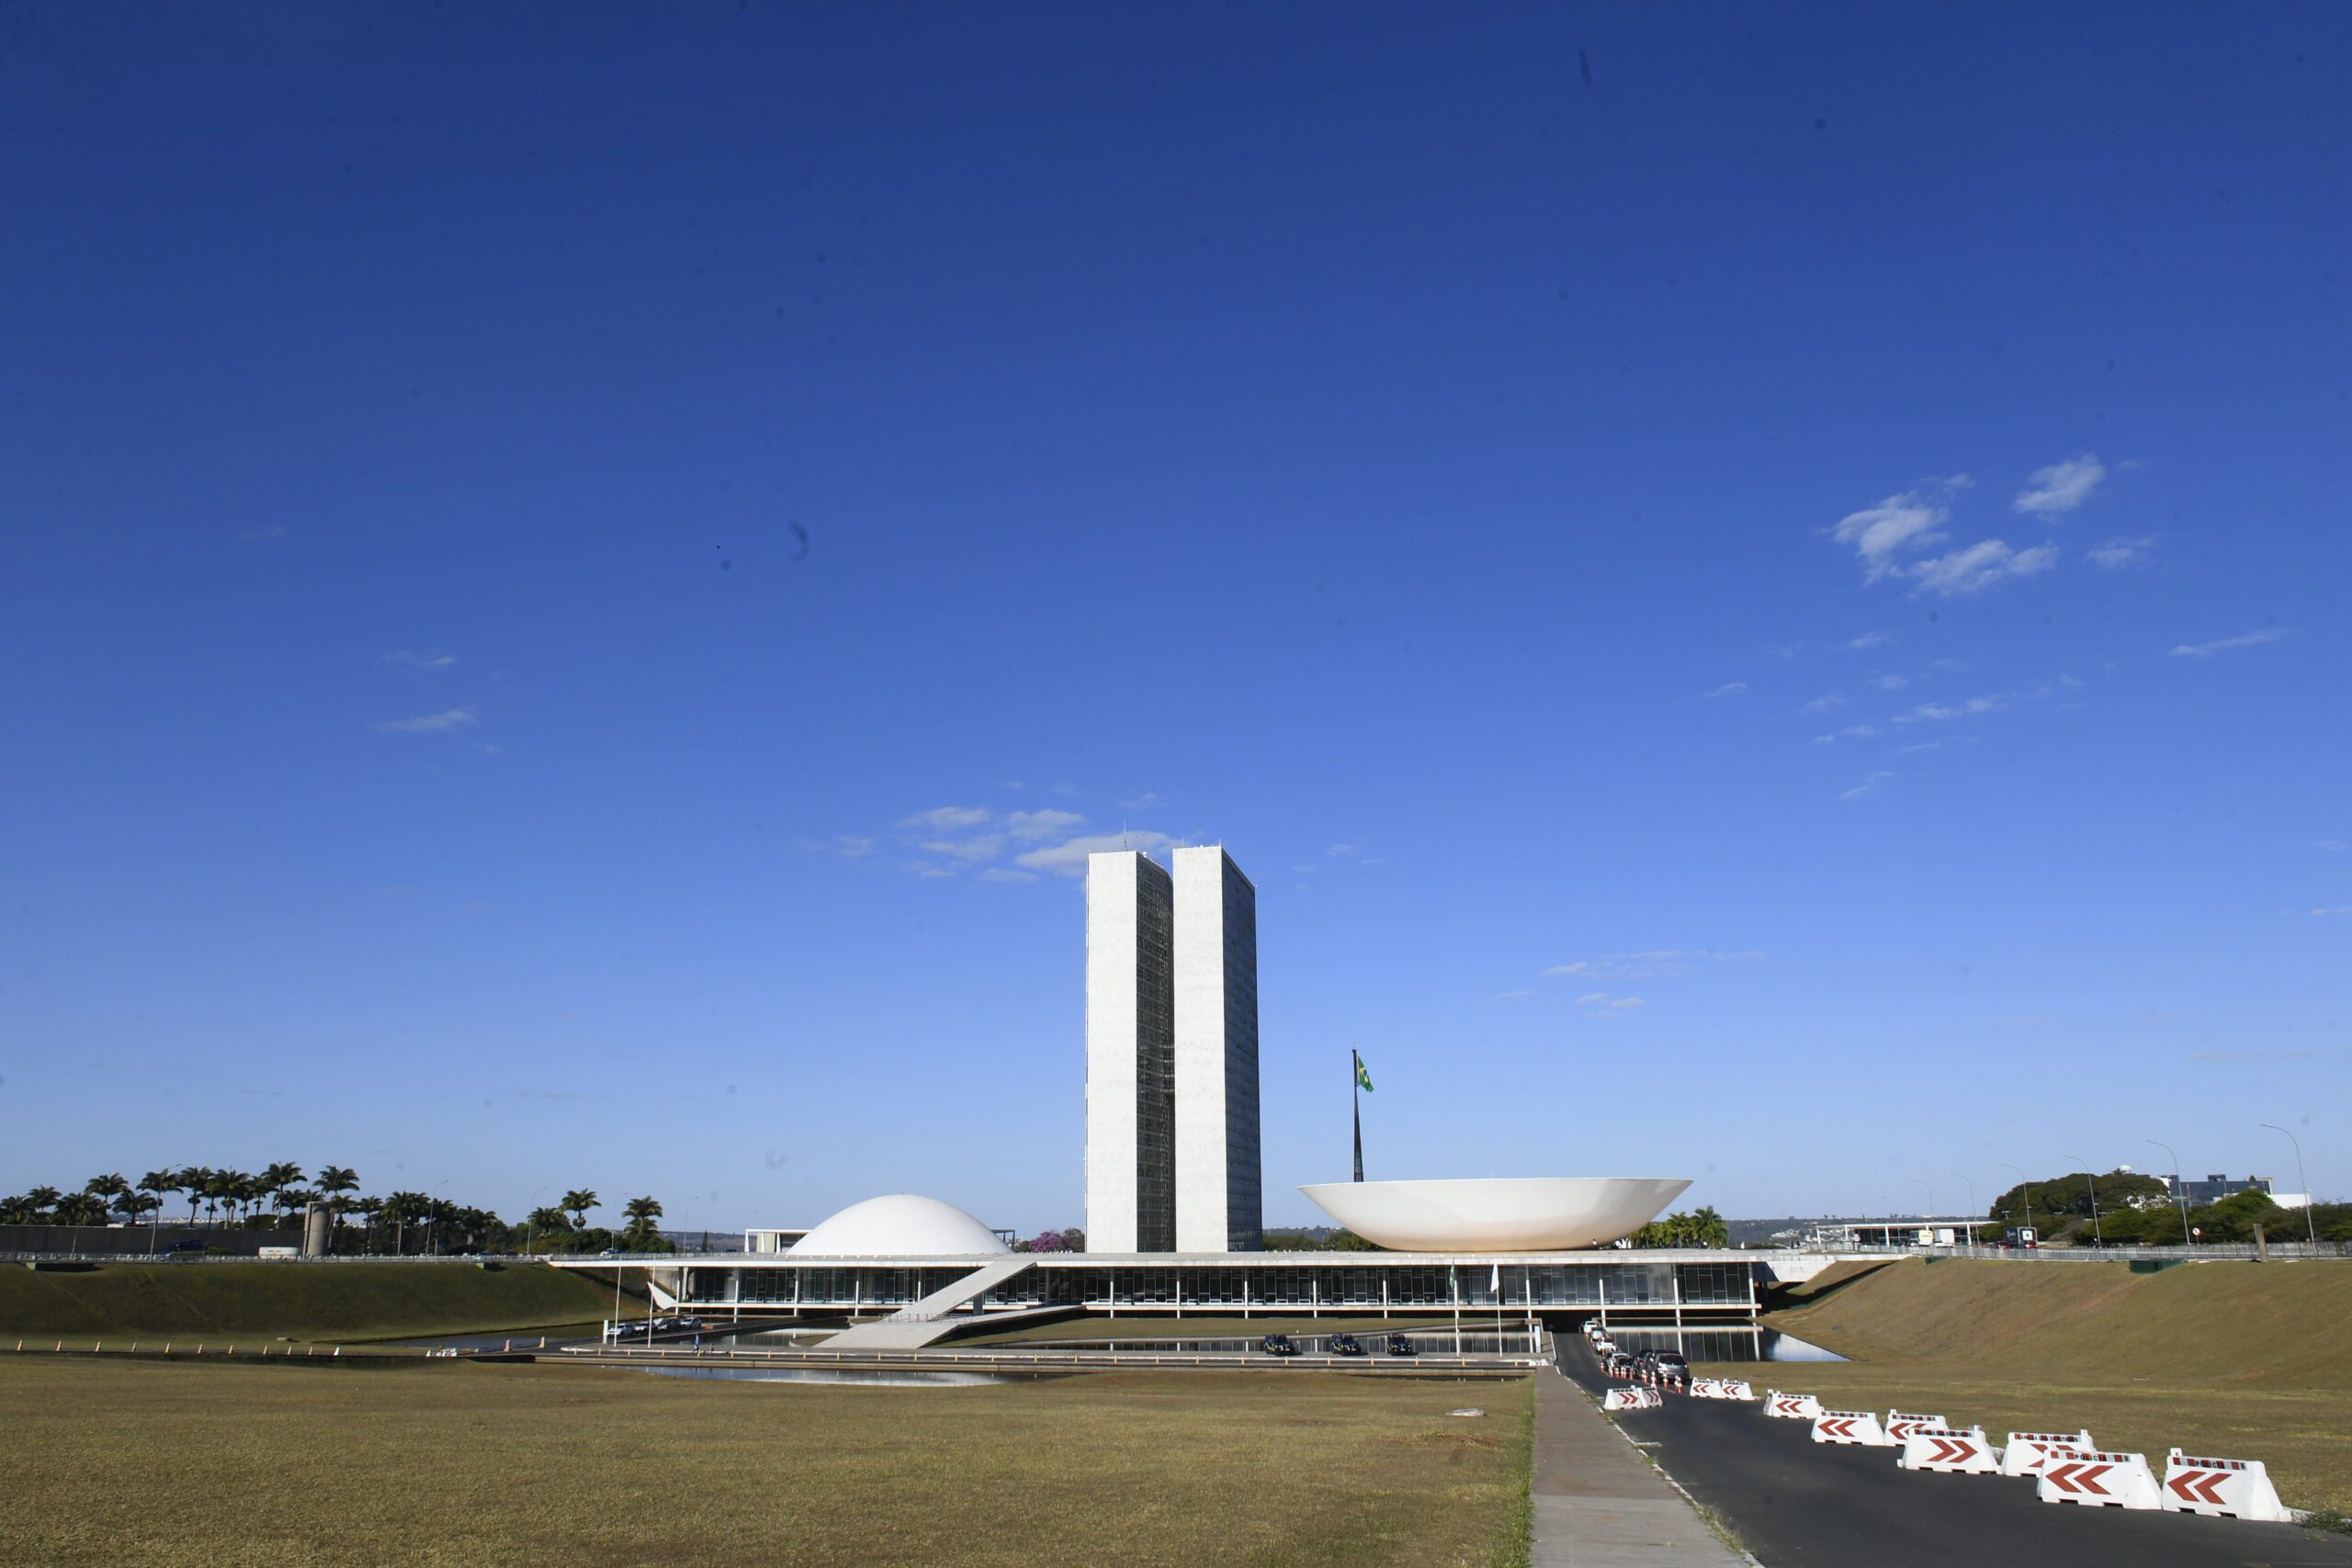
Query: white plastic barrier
{"points": [[1733, 1388], [1900, 1425], [1706, 1388], [1953, 1453], [1792, 1406], [2099, 1480], [1850, 1427], [2231, 1488], [1631, 1399], [2026, 1452]]}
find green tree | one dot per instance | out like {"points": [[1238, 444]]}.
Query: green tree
{"points": [[81, 1209], [578, 1201], [195, 1181], [334, 1180], [641, 1232], [42, 1202], [155, 1184], [276, 1180]]}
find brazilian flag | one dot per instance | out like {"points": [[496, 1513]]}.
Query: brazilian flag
{"points": [[1363, 1080]]}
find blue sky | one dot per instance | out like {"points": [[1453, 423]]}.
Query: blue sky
{"points": [[1760, 589]]}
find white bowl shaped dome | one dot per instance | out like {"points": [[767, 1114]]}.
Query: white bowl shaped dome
{"points": [[1542, 1214], [902, 1225]]}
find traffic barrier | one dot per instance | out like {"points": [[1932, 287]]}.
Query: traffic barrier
{"points": [[1900, 1425], [2099, 1480], [1631, 1399], [1850, 1427], [2226, 1488], [1705, 1388], [1953, 1453], [1733, 1388], [1792, 1406], [2026, 1452]]}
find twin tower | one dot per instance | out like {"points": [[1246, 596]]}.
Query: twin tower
{"points": [[1172, 1055]]}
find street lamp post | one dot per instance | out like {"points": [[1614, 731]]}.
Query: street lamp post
{"points": [[1972, 1209], [1929, 1189], [2025, 1186], [2179, 1190], [2311, 1227], [2092, 1177]]}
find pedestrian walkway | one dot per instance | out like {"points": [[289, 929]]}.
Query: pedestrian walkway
{"points": [[1598, 1503]]}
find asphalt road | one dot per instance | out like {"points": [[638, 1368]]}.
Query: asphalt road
{"points": [[1793, 1501]]}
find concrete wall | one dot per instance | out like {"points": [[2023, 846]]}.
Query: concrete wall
{"points": [[1130, 1168], [1219, 1204]]}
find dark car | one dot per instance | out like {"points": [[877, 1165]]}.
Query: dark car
{"points": [[1278, 1345], [1620, 1365], [1400, 1346], [1345, 1345], [1671, 1366]]}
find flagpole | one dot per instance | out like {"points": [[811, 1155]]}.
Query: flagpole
{"points": [[1355, 1103]]}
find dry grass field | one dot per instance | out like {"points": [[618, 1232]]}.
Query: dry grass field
{"points": [[2242, 1360], [454, 1462]]}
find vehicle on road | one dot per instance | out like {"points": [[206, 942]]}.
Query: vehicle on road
{"points": [[1278, 1345], [2021, 1235], [1619, 1364], [1670, 1367], [1345, 1345], [1603, 1345], [1400, 1346]]}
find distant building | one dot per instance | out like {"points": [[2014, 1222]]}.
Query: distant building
{"points": [[2216, 1187]]}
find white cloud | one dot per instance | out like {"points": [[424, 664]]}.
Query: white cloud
{"points": [[1143, 802], [2336, 910], [1978, 566], [1510, 996], [1729, 689], [850, 846], [1068, 858], [1867, 787], [1827, 701], [1341, 850], [933, 873], [2062, 487], [429, 659], [1975, 707], [1910, 521], [1783, 650], [1041, 824], [1591, 997], [2122, 551], [945, 818], [1006, 874], [983, 846], [1655, 964], [1890, 682], [1602, 1002], [1866, 641], [429, 724], [2334, 844], [2219, 645], [1947, 666], [1858, 731]]}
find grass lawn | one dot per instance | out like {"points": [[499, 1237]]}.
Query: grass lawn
{"points": [[328, 1303], [2243, 1360], [454, 1462]]}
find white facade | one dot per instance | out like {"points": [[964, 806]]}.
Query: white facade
{"points": [[1497, 1214], [1219, 1205], [1130, 1167]]}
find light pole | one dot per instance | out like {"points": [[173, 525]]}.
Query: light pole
{"points": [[2311, 1227], [1931, 1215], [1972, 1209], [2179, 1190], [2092, 1177], [2025, 1186]]}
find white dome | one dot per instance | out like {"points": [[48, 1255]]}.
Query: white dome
{"points": [[900, 1225]]}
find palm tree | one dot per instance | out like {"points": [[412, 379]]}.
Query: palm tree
{"points": [[193, 1180], [641, 1212], [403, 1209], [82, 1209], [42, 1200], [276, 1179], [19, 1211], [367, 1209], [578, 1201], [106, 1187], [334, 1180], [155, 1183]]}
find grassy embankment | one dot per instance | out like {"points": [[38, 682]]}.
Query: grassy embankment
{"points": [[2247, 1360], [321, 1303], [450, 1462]]}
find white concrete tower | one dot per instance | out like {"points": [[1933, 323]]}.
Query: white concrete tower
{"points": [[1130, 1150], [1220, 1207]]}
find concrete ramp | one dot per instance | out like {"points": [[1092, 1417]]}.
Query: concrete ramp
{"points": [[912, 1327]]}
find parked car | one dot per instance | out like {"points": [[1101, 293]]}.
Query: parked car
{"points": [[1345, 1345], [1671, 1366], [1278, 1345], [1604, 1346], [1620, 1365], [1400, 1346]]}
